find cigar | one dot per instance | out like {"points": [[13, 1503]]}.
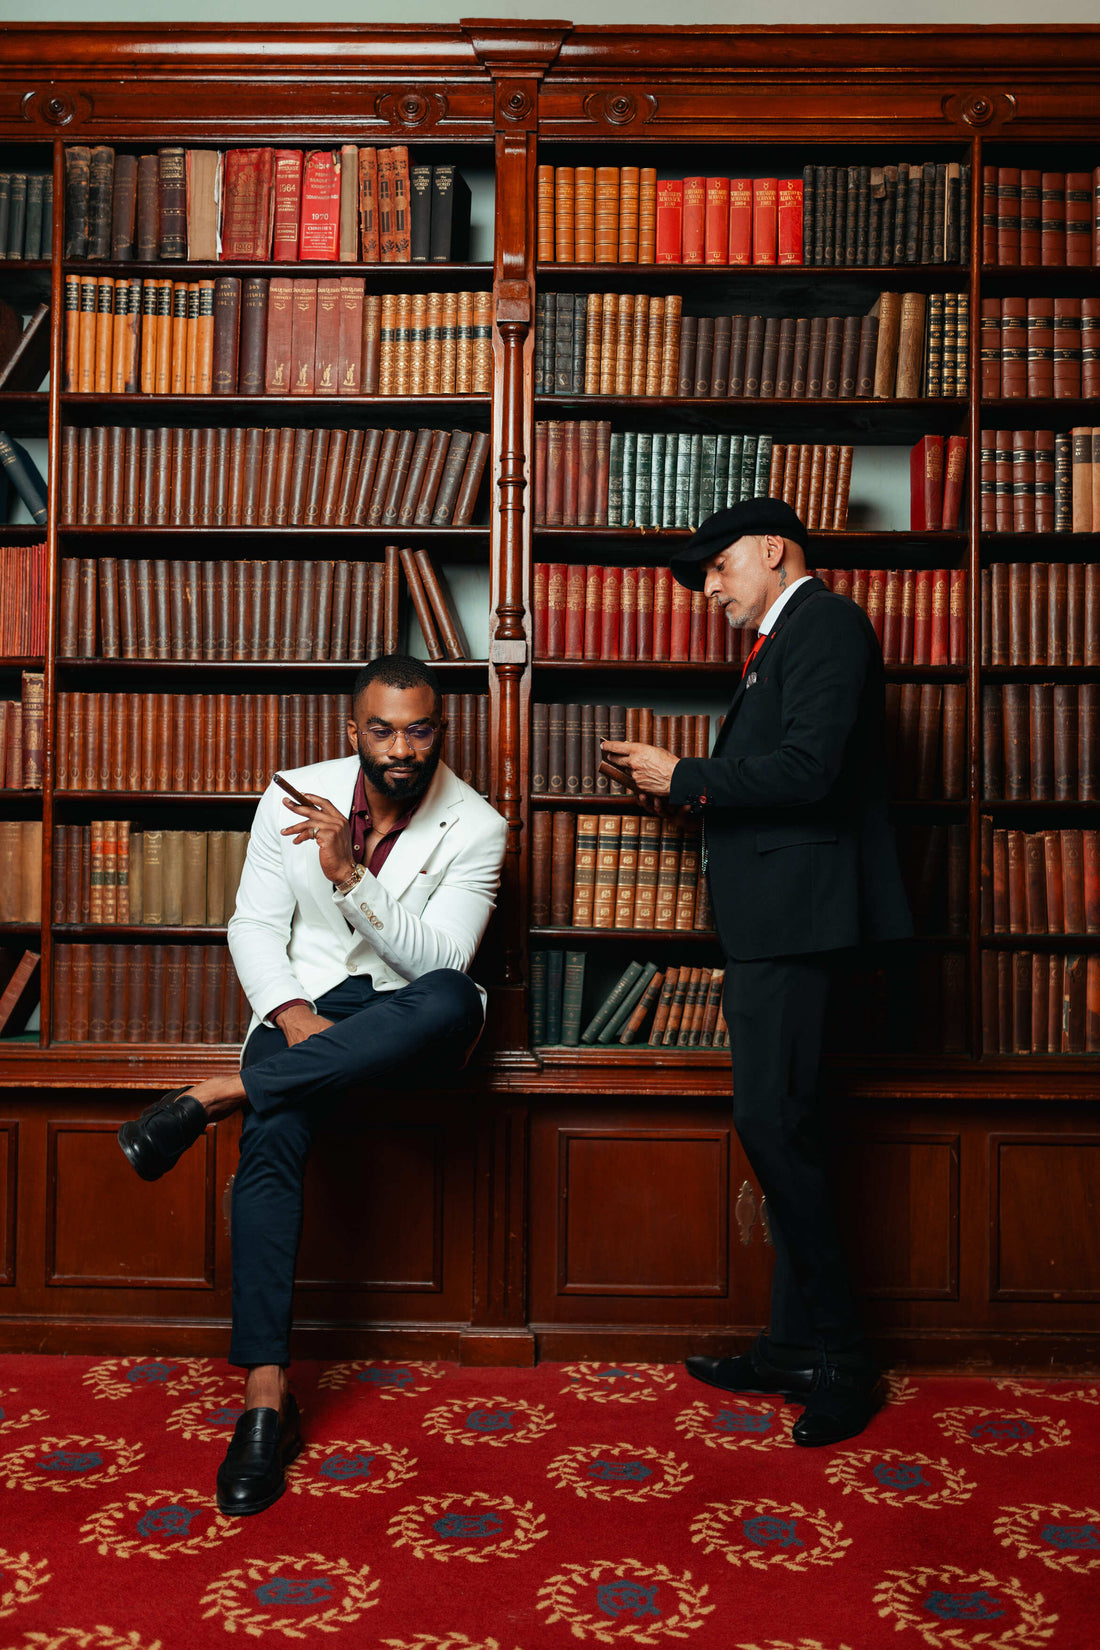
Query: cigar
{"points": [[285, 785]]}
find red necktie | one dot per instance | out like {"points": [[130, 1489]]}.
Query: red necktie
{"points": [[757, 645]]}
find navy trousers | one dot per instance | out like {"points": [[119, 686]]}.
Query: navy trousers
{"points": [[418, 1036], [775, 1009]]}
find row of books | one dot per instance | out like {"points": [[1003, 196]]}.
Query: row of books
{"points": [[1041, 613], [587, 475], [613, 214], [26, 214], [937, 483], [685, 1005], [22, 473], [24, 347], [609, 613], [926, 740], [21, 870], [1033, 217], [935, 865], [909, 212], [118, 475], [1040, 1002], [24, 570], [227, 743], [258, 610], [1039, 882], [141, 993], [22, 735], [109, 872], [1041, 741], [639, 344], [919, 615], [349, 205], [1040, 346], [565, 743], [621, 870], [1040, 481], [277, 336]]}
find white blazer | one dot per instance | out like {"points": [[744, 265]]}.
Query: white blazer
{"points": [[427, 908]]}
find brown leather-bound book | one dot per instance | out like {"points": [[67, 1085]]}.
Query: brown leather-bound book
{"points": [[1055, 888], [1036, 885], [326, 367], [1073, 881], [769, 359], [334, 467], [299, 477], [395, 488], [1017, 775], [172, 201], [452, 479], [562, 849], [607, 870], [888, 309], [432, 476], [303, 336], [450, 633], [234, 494], [1014, 347], [1090, 873], [868, 354], [391, 599], [910, 360], [253, 336], [372, 336], [470, 484], [1016, 860], [848, 372], [284, 476], [98, 969], [414, 481], [954, 741], [541, 859], [383, 469], [1023, 481], [627, 872], [1041, 740], [315, 487], [227, 315], [350, 340], [928, 739]]}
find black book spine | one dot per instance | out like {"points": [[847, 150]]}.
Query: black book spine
{"points": [[808, 177], [420, 213], [580, 341], [563, 343]]}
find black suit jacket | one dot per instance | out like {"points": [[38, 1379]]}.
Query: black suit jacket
{"points": [[800, 855]]}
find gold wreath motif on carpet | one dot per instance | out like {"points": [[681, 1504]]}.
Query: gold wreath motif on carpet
{"points": [[762, 1533], [943, 1605], [292, 1594], [620, 1600], [468, 1525]]}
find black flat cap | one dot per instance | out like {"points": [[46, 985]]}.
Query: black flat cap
{"points": [[752, 515]]}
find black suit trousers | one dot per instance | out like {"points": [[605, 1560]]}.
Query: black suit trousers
{"points": [[418, 1036], [775, 1009]]}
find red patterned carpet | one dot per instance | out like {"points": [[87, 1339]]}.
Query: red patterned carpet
{"points": [[437, 1508]]}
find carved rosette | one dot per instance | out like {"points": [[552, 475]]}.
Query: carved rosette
{"points": [[620, 108], [411, 108], [55, 106], [516, 104], [980, 108]]}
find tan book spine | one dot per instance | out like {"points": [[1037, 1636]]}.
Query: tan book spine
{"points": [[448, 344], [593, 343], [654, 346], [670, 347], [910, 345], [86, 334], [639, 342], [624, 344], [629, 179], [664, 1006], [647, 215], [649, 851], [544, 206], [117, 385], [178, 371], [609, 333], [433, 344], [888, 308], [565, 215], [464, 351], [104, 332], [387, 344], [627, 878], [402, 344], [584, 215], [193, 879], [483, 343], [607, 215], [607, 871], [584, 869]]}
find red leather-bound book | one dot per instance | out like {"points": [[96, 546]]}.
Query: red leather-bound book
{"points": [[541, 443], [740, 242], [697, 636], [680, 624], [644, 651], [876, 601], [954, 478], [319, 232], [571, 461], [939, 634], [555, 472], [1023, 481], [287, 206], [1040, 347], [540, 609], [716, 229], [576, 579], [1073, 881], [908, 612], [922, 616], [662, 612], [593, 610], [692, 242], [556, 577], [586, 473], [670, 213], [1052, 219], [957, 625], [1029, 210], [1008, 216], [1090, 873], [891, 617], [611, 613], [1078, 219], [1013, 347], [628, 612], [1056, 902], [926, 484], [246, 210], [603, 470], [303, 337], [765, 220], [790, 221]]}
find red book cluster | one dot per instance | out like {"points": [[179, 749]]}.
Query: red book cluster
{"points": [[1033, 217], [1040, 882], [937, 477], [1040, 481], [352, 204], [621, 871], [23, 572], [926, 739], [1040, 346], [147, 994], [22, 736], [917, 613], [250, 610], [122, 476], [1040, 1002], [1041, 613], [227, 743], [612, 214], [565, 743], [1040, 741], [595, 612]]}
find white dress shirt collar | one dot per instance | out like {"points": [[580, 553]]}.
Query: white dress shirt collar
{"points": [[777, 607]]}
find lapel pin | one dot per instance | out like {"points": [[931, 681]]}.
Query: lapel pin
{"points": [[750, 679]]}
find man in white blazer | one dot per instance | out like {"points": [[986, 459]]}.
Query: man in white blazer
{"points": [[361, 906]]}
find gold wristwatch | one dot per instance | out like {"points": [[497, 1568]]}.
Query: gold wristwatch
{"points": [[353, 881]]}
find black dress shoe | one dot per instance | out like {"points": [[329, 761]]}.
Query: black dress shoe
{"points": [[842, 1402], [160, 1136], [751, 1372], [253, 1474]]}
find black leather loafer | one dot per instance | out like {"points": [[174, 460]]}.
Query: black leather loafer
{"points": [[840, 1405], [751, 1372], [253, 1475], [160, 1136]]}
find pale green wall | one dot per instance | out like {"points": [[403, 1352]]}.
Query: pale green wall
{"points": [[593, 11]]}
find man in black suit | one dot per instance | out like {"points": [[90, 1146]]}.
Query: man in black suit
{"points": [[802, 868]]}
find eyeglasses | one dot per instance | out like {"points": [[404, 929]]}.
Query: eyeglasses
{"points": [[420, 735]]}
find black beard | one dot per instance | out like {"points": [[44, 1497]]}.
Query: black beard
{"points": [[411, 790]]}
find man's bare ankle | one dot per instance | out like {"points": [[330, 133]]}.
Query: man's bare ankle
{"points": [[266, 1387]]}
